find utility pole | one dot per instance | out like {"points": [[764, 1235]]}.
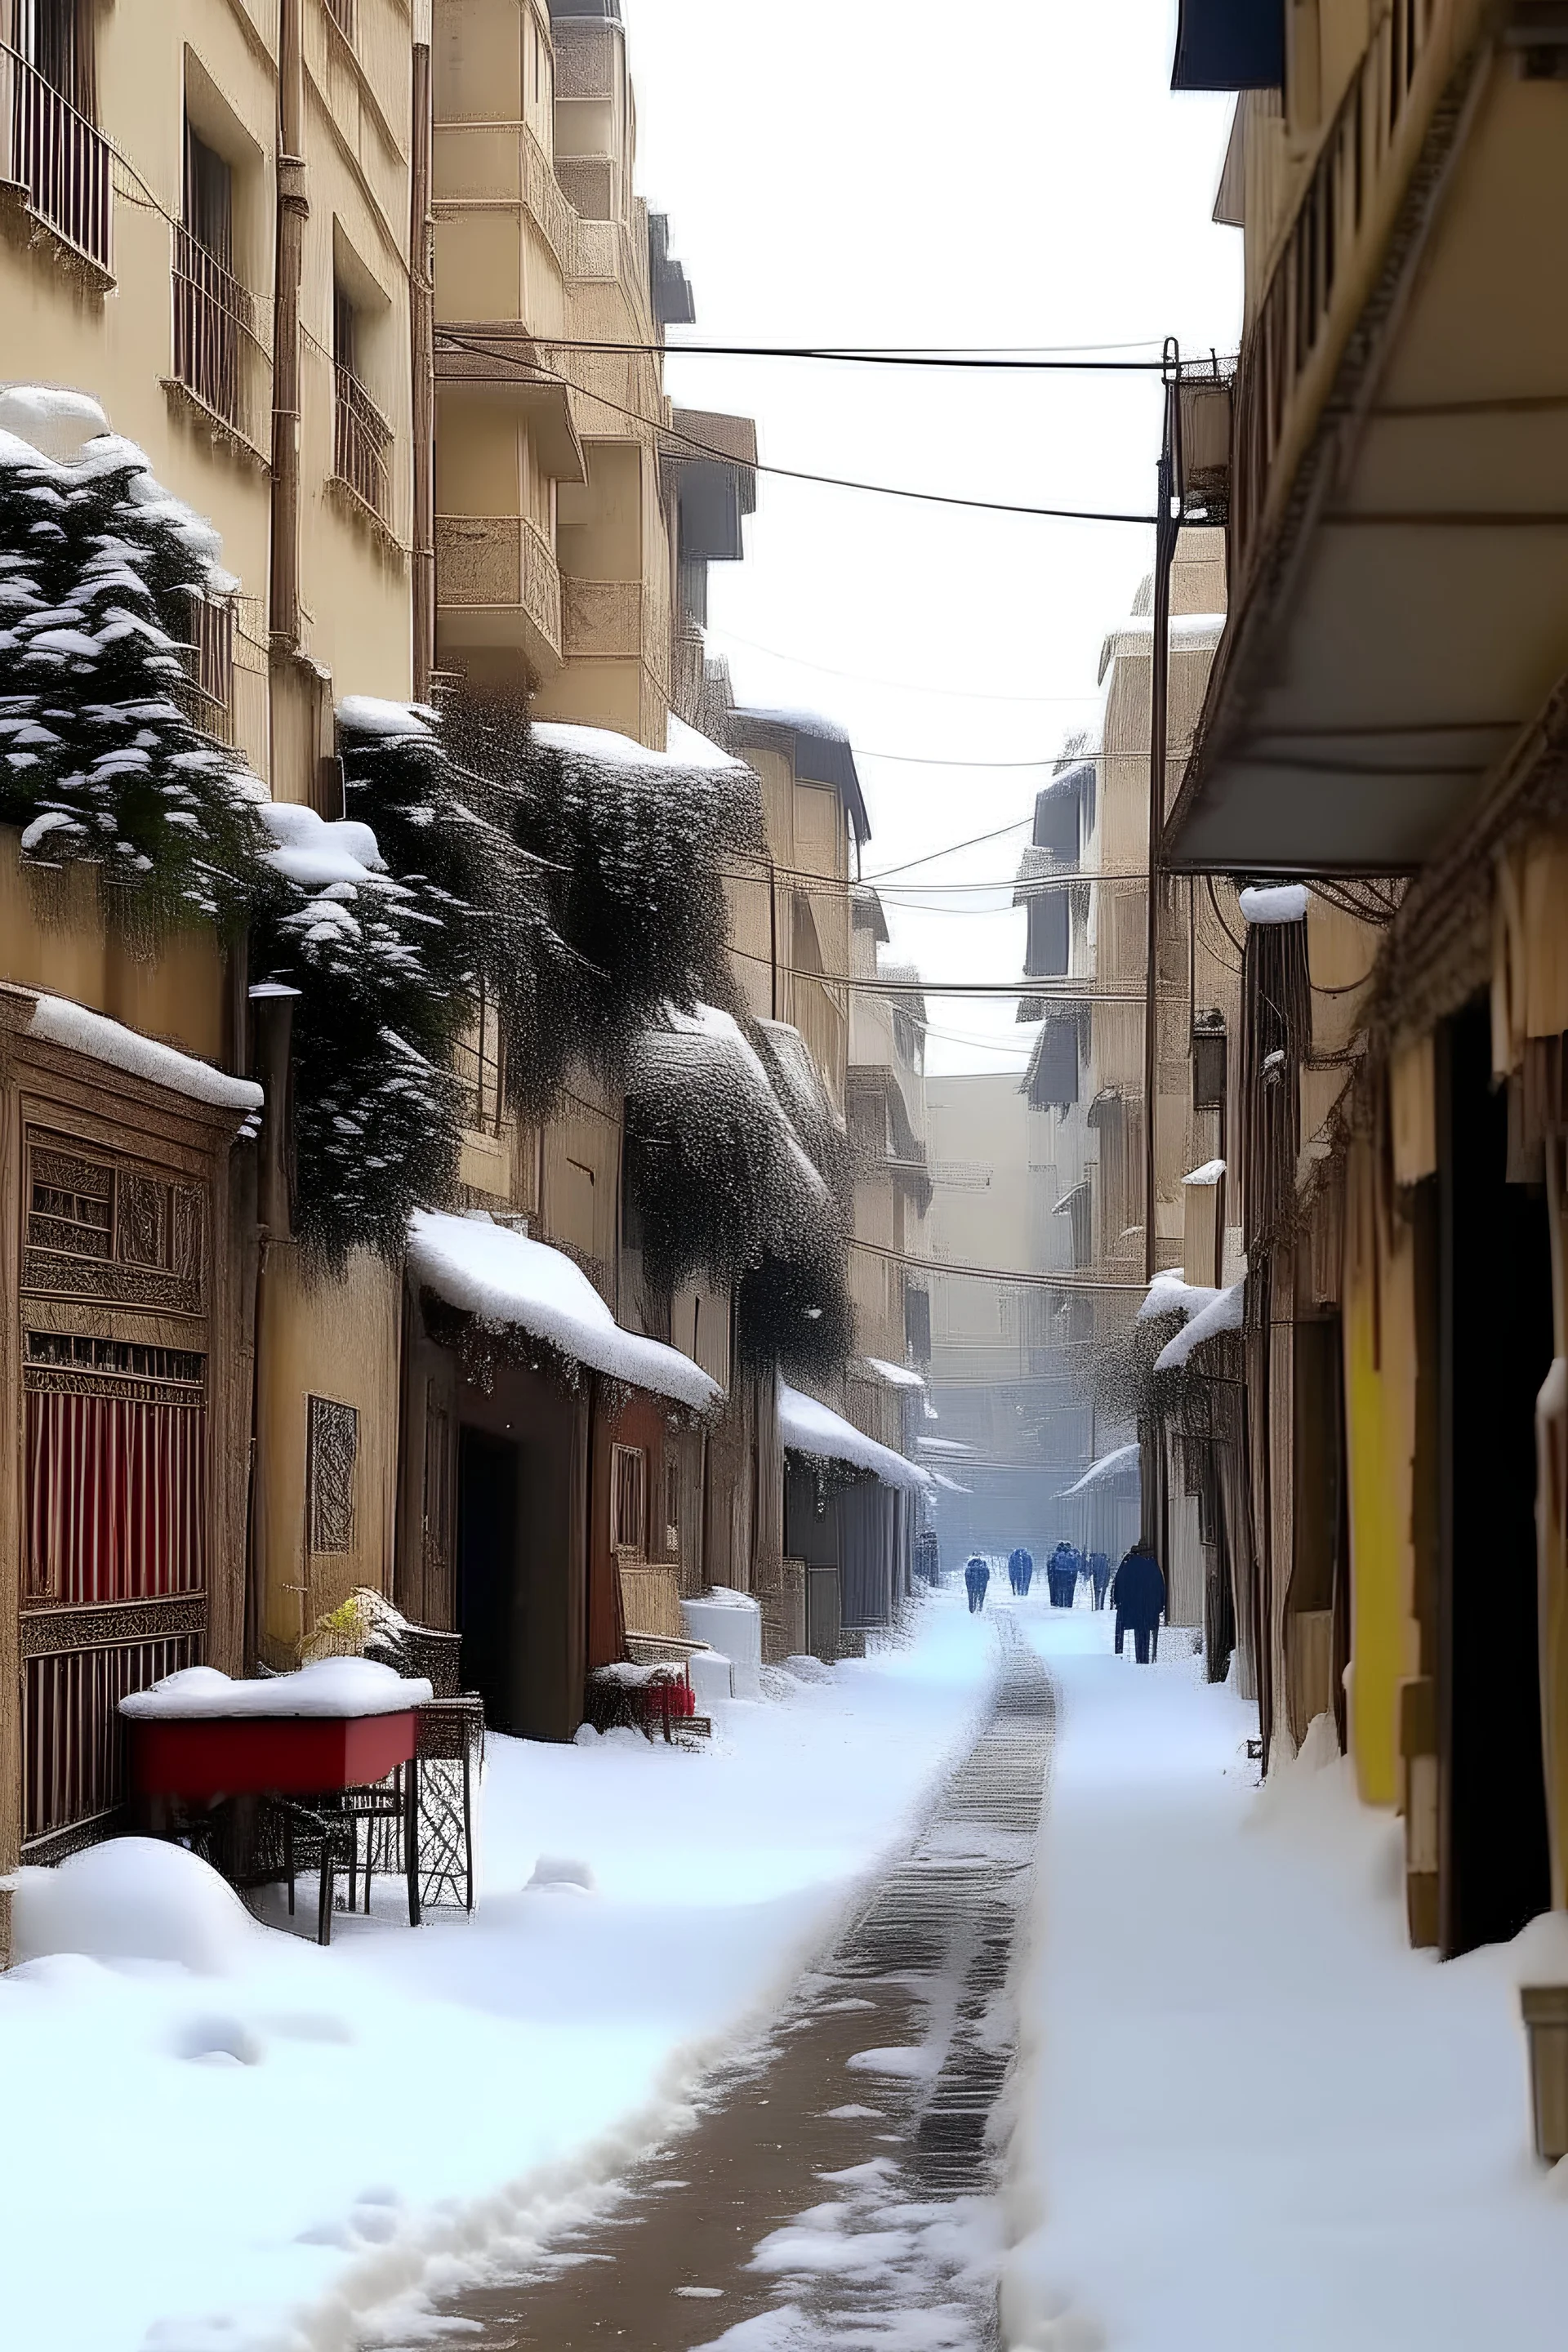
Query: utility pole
{"points": [[1167, 525]]}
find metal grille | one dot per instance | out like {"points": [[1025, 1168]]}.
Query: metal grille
{"points": [[628, 1499], [213, 326], [74, 1761], [59, 156], [333, 1453], [362, 440], [209, 658], [72, 1205]]}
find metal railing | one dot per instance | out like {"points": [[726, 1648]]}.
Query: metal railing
{"points": [[209, 695], [1335, 213], [73, 1738], [362, 439], [215, 334], [62, 160]]}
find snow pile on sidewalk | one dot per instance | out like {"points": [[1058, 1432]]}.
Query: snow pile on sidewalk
{"points": [[1248, 2113], [263, 2155]]}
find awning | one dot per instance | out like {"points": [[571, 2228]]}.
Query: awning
{"points": [[504, 1279], [807, 1427], [1122, 1464], [1230, 44]]}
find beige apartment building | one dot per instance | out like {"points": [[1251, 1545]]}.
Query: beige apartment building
{"points": [[209, 232]]}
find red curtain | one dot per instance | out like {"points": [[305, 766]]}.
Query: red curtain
{"points": [[116, 1499]]}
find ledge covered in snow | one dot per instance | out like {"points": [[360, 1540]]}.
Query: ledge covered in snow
{"points": [[808, 1427], [61, 1022], [1222, 1311], [503, 1278], [1110, 1466], [1284, 902], [896, 1376], [333, 1686]]}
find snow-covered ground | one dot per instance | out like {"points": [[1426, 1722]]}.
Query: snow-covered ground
{"points": [[254, 2158], [1249, 2115]]}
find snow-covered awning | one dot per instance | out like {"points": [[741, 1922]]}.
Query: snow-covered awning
{"points": [[62, 1023], [504, 1279], [1208, 1174], [944, 1445], [950, 1486], [686, 751], [896, 1376], [808, 1427], [1223, 1312], [1119, 1465]]}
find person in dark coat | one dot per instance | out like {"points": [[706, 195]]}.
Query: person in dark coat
{"points": [[1021, 1571], [1098, 1566], [1139, 1593], [976, 1577], [1062, 1575]]}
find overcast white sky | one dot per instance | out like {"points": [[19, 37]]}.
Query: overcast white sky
{"points": [[1018, 171]]}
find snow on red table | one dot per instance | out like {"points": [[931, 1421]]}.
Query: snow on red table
{"points": [[343, 1723]]}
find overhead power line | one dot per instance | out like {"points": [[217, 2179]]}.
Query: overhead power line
{"points": [[1073, 1281], [533, 369], [892, 685], [1019, 360]]}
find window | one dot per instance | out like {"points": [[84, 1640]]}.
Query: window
{"points": [[212, 309], [333, 1453], [628, 1500], [362, 435], [59, 156]]}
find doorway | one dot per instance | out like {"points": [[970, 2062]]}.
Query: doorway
{"points": [[489, 1470], [1495, 1335]]}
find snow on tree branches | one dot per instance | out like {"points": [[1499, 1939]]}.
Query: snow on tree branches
{"points": [[100, 761]]}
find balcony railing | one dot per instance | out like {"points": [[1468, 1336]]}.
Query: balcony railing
{"points": [[503, 560], [216, 354], [1346, 193], [209, 694], [602, 616], [361, 441], [57, 156]]}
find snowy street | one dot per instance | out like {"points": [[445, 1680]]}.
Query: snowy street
{"points": [[1219, 2026]]}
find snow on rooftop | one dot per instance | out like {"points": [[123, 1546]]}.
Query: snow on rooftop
{"points": [[1223, 1312], [1110, 1466], [1281, 902], [808, 1427], [690, 750], [950, 1486], [803, 722], [61, 1022], [1209, 1173], [943, 1445], [503, 1278], [896, 1376], [57, 423], [332, 1686]]}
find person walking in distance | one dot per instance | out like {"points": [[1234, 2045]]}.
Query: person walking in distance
{"points": [[1098, 1566], [1020, 1572], [1062, 1575], [1139, 1593], [976, 1577]]}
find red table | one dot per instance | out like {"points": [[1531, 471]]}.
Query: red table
{"points": [[209, 1759]]}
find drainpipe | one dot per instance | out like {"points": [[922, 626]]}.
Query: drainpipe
{"points": [[1168, 522], [293, 210], [422, 337]]}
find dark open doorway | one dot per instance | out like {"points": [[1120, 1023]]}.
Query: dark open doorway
{"points": [[488, 1475], [1495, 1343]]}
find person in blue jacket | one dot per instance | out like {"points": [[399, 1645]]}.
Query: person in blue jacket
{"points": [[1098, 1568], [1021, 1571], [1062, 1575], [976, 1577], [1139, 1594]]}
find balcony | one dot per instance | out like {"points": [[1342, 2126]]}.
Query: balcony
{"points": [[498, 585], [362, 445], [1398, 491], [59, 163], [602, 619], [221, 367], [480, 165]]}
